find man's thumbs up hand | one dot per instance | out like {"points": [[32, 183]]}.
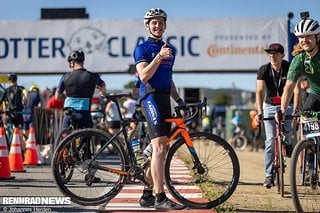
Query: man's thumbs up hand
{"points": [[165, 51], [164, 45]]}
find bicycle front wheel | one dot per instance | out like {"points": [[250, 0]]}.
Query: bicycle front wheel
{"points": [[304, 180], [95, 179], [208, 184], [280, 167]]}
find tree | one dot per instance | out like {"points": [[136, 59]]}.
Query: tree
{"points": [[222, 98], [129, 85]]}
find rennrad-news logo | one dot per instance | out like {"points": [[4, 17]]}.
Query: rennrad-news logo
{"points": [[36, 201]]}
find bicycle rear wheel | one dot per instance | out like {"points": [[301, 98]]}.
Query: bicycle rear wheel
{"points": [[93, 181], [304, 182], [202, 189], [65, 169]]}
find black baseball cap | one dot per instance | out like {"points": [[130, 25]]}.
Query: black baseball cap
{"points": [[275, 47]]}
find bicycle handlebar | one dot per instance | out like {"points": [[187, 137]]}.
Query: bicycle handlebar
{"points": [[115, 97], [287, 117], [307, 113], [193, 108], [282, 128]]}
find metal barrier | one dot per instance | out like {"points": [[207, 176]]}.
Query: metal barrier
{"points": [[47, 123]]}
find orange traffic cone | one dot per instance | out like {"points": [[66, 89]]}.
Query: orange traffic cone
{"points": [[15, 156], [31, 155], [5, 173]]}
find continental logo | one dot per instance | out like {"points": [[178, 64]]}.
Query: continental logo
{"points": [[215, 50]]}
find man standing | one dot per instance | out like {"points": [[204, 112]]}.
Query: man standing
{"points": [[14, 102], [154, 61], [271, 79]]}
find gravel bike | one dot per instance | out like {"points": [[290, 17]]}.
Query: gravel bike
{"points": [[304, 171], [201, 169]]}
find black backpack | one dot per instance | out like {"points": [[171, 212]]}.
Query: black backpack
{"points": [[3, 93], [14, 97]]}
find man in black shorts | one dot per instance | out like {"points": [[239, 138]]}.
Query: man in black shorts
{"points": [[154, 61]]}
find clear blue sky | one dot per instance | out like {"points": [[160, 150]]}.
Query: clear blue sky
{"points": [[178, 9]]}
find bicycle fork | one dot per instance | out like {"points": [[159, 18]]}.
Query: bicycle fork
{"points": [[314, 167], [182, 130]]}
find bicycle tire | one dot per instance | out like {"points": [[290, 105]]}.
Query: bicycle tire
{"points": [[240, 142], [280, 168], [61, 135], [187, 185], [304, 197], [83, 188], [66, 170]]}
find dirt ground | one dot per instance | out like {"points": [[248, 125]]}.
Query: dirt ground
{"points": [[250, 195]]}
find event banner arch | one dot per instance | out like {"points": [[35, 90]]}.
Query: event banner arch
{"points": [[207, 45]]}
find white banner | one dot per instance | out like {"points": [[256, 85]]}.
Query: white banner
{"points": [[230, 44]]}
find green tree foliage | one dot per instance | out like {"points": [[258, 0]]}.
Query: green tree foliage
{"points": [[129, 85], [222, 98]]}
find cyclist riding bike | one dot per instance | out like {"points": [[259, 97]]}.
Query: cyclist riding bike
{"points": [[305, 64], [271, 78]]}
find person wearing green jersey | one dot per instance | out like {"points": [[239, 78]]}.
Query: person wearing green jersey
{"points": [[306, 63]]}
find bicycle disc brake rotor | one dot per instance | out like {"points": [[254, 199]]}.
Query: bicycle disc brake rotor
{"points": [[200, 172]]}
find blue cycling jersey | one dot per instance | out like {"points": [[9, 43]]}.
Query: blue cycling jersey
{"points": [[161, 80]]}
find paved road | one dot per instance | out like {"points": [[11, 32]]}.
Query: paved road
{"points": [[38, 181]]}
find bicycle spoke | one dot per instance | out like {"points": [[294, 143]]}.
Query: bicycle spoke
{"points": [[211, 183], [305, 185], [88, 184]]}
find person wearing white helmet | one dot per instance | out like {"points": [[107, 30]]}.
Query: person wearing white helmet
{"points": [[306, 63], [154, 61]]}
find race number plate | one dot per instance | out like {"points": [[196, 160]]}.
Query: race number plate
{"points": [[310, 125]]}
